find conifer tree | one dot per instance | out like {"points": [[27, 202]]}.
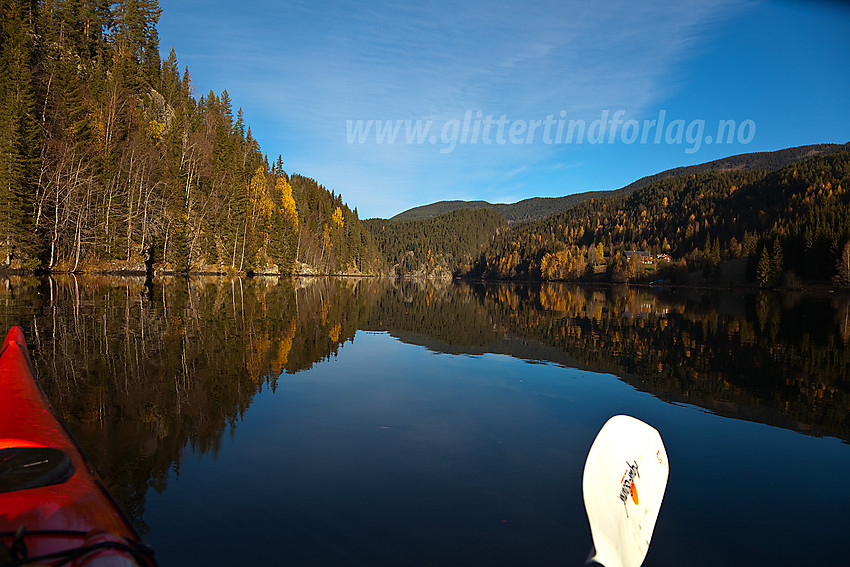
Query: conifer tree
{"points": [[19, 139], [842, 267], [776, 262]]}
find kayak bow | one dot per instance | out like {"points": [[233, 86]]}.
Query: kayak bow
{"points": [[54, 510]]}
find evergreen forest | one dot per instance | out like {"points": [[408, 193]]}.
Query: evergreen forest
{"points": [[110, 161]]}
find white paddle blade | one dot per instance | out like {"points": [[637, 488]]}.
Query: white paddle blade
{"points": [[624, 480]]}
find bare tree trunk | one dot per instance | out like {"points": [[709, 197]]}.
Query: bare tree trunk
{"points": [[298, 244], [165, 240], [130, 205], [235, 241], [196, 235], [106, 227], [78, 237], [244, 238]]}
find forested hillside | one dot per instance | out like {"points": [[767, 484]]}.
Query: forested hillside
{"points": [[441, 246], [791, 224], [439, 208], [787, 226], [109, 161], [331, 237], [538, 208], [758, 161]]}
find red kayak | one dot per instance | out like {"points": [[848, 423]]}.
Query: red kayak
{"points": [[54, 510]]}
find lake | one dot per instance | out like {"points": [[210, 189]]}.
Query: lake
{"points": [[321, 421]]}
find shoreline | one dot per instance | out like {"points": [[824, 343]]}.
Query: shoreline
{"points": [[811, 287]]}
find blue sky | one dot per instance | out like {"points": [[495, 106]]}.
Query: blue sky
{"points": [[309, 74]]}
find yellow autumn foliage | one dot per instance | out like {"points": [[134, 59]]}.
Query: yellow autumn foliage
{"points": [[288, 209], [155, 129], [260, 195], [338, 218], [334, 333]]}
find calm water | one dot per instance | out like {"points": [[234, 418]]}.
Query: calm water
{"points": [[360, 422]]}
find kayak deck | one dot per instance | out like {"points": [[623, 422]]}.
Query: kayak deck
{"points": [[51, 500]]}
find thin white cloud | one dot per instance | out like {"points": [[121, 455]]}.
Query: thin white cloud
{"points": [[307, 68]]}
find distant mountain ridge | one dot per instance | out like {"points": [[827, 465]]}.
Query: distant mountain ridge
{"points": [[538, 208]]}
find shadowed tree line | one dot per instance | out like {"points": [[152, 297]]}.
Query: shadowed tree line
{"points": [[440, 246]]}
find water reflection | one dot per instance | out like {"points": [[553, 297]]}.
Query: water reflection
{"points": [[777, 359], [138, 376], [139, 373], [764, 357]]}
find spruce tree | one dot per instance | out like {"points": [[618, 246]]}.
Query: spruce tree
{"points": [[776, 262], [19, 140]]}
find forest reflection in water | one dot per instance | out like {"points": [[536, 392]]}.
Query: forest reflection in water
{"points": [[141, 373]]}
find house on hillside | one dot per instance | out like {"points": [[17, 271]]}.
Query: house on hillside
{"points": [[645, 257]]}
